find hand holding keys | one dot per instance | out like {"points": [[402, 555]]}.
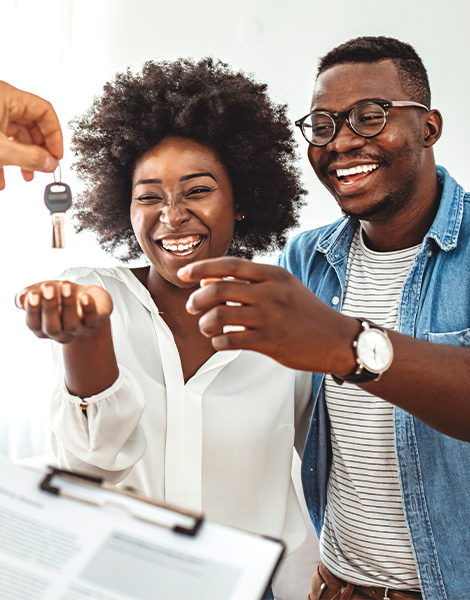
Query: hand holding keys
{"points": [[58, 199]]}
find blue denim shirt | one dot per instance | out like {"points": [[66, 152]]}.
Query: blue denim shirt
{"points": [[433, 469]]}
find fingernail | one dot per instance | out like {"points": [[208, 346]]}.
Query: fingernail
{"points": [[182, 272], [18, 302], [33, 299], [48, 292], [205, 282], [66, 290], [189, 305], [50, 164], [84, 300]]}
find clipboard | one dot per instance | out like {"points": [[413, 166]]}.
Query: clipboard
{"points": [[189, 525], [73, 537]]}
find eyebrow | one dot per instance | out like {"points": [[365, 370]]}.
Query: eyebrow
{"points": [[358, 102], [183, 178], [193, 175]]}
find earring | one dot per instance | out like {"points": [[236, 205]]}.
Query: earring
{"points": [[241, 217]]}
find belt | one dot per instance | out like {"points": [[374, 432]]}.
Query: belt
{"points": [[334, 585]]}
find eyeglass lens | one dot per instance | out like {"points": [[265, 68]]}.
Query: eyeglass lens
{"points": [[366, 119]]}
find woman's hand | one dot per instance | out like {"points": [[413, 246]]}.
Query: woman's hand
{"points": [[64, 311]]}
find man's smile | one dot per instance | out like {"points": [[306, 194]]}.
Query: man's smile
{"points": [[353, 177], [353, 174]]}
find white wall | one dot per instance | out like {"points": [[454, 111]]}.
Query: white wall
{"points": [[65, 50]]}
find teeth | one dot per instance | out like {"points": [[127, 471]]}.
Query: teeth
{"points": [[355, 170], [180, 247]]}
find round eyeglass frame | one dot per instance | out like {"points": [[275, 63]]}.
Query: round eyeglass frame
{"points": [[384, 105]]}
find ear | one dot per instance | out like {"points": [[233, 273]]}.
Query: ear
{"points": [[433, 128], [239, 216]]}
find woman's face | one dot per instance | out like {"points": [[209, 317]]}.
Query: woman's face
{"points": [[182, 207]]}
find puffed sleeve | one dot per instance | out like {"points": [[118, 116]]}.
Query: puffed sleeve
{"points": [[109, 440]]}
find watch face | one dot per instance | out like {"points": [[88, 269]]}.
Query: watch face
{"points": [[374, 350]]}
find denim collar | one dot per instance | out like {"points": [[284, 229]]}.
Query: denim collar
{"points": [[446, 226]]}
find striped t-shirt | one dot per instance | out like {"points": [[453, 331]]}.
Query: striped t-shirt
{"points": [[365, 538]]}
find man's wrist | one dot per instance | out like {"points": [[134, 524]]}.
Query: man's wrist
{"points": [[373, 353], [344, 360]]}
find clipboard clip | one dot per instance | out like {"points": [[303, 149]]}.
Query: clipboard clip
{"points": [[189, 522]]}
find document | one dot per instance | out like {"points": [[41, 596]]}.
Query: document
{"points": [[54, 548]]}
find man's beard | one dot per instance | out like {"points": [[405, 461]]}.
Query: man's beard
{"points": [[391, 205]]}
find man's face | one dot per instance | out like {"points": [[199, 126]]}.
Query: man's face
{"points": [[391, 162]]}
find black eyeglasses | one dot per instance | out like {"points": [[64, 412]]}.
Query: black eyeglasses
{"points": [[366, 118]]}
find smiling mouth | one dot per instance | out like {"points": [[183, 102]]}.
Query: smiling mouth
{"points": [[354, 174], [183, 246]]}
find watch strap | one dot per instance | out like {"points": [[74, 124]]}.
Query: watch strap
{"points": [[359, 374]]}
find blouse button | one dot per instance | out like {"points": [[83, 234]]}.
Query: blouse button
{"points": [[429, 253], [335, 300]]}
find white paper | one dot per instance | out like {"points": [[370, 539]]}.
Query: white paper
{"points": [[52, 548]]}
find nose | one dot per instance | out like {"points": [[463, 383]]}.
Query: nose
{"points": [[345, 139], [174, 214]]}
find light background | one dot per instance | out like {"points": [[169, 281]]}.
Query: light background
{"points": [[65, 50]]}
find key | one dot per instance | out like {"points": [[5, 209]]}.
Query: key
{"points": [[58, 199]]}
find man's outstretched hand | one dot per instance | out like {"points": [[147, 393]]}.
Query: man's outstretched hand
{"points": [[281, 317]]}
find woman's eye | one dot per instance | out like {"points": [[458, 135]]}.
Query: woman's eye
{"points": [[148, 199], [198, 190]]}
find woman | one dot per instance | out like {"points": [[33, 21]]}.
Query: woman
{"points": [[182, 162]]}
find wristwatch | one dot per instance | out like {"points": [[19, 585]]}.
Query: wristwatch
{"points": [[373, 352]]}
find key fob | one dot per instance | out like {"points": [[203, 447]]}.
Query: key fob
{"points": [[58, 197]]}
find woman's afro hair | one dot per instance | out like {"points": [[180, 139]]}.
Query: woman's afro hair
{"points": [[206, 102]]}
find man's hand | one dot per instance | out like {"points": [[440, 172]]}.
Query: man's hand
{"points": [[284, 320], [30, 133], [281, 317], [64, 311]]}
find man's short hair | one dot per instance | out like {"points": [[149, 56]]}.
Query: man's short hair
{"points": [[411, 71]]}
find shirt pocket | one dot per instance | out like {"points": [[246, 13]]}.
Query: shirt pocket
{"points": [[451, 338]]}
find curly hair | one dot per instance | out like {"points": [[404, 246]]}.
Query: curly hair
{"points": [[368, 49], [207, 102]]}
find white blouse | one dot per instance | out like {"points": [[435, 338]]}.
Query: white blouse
{"points": [[222, 443]]}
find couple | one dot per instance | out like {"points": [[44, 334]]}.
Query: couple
{"points": [[187, 162]]}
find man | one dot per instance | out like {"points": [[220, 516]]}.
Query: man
{"points": [[386, 482], [30, 133]]}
